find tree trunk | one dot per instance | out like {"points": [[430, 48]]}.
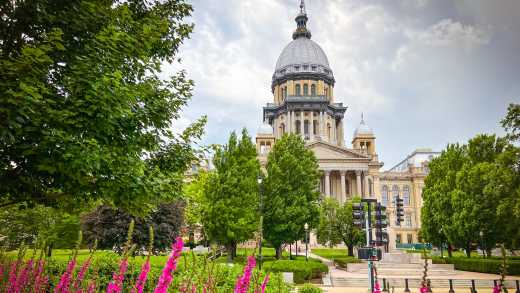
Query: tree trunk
{"points": [[449, 251], [468, 250], [350, 250], [279, 252], [234, 249], [230, 254], [49, 250], [488, 253]]}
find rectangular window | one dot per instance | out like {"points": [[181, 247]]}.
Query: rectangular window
{"points": [[409, 238], [408, 220]]}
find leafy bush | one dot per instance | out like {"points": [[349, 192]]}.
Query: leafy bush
{"points": [[480, 265], [343, 261], [302, 270], [309, 288]]}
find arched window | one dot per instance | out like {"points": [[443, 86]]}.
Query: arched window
{"points": [[406, 195], [298, 126], [282, 129], [298, 90], [305, 89], [326, 92], [395, 193], [370, 187], [313, 90], [384, 195]]}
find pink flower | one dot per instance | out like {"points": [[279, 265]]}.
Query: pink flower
{"points": [[92, 287], [12, 277], [141, 280], [116, 286], [377, 288], [24, 276], [424, 289], [497, 289], [264, 283], [63, 285], [81, 274], [171, 265], [39, 278], [242, 283]]}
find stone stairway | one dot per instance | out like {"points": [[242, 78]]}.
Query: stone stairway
{"points": [[408, 270], [415, 283]]}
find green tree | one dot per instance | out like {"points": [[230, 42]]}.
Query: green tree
{"points": [[437, 209], [231, 196], [55, 228], [290, 192], [83, 112], [195, 203], [511, 122], [337, 225]]}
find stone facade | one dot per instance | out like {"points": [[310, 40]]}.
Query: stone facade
{"points": [[303, 103]]}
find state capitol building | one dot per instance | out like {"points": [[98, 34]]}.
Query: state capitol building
{"points": [[304, 103]]}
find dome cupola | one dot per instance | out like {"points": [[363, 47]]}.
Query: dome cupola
{"points": [[363, 129], [302, 58]]}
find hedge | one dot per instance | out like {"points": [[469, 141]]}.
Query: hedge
{"points": [[343, 261], [309, 288], [480, 265], [302, 270]]}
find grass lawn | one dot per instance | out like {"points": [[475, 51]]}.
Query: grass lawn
{"points": [[339, 256]]}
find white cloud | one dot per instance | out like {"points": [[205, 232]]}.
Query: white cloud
{"points": [[452, 33]]}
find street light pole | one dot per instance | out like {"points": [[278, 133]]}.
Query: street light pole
{"points": [[306, 227], [260, 260], [481, 233]]}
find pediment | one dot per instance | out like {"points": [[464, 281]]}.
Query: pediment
{"points": [[327, 151]]}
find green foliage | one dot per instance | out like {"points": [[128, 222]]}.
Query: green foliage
{"points": [[337, 225], [40, 224], [309, 288], [511, 122], [480, 265], [109, 227], [194, 197], [291, 191], [231, 199], [471, 189], [302, 270], [84, 114]]}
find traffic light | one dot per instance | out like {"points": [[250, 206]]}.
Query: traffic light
{"points": [[399, 211], [381, 218], [358, 213], [380, 224]]}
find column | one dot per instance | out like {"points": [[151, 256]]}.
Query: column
{"points": [[327, 183], [311, 131], [321, 125], [366, 184], [358, 183], [343, 188], [290, 122]]}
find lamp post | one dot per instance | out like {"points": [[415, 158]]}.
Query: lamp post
{"points": [[260, 259], [481, 233], [306, 227]]}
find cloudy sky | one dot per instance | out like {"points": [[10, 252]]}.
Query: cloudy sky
{"points": [[424, 72]]}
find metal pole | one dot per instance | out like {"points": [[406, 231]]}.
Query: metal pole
{"points": [[406, 288], [517, 286], [261, 228], [473, 290], [385, 289], [306, 246], [451, 287], [368, 231]]}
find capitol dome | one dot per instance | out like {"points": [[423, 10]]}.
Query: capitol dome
{"points": [[303, 51], [302, 57]]}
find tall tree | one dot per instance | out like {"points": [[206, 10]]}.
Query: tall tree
{"points": [[83, 112], [337, 225], [195, 202], [291, 192], [437, 209], [231, 194]]}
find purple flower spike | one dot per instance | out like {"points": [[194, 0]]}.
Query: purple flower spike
{"points": [[63, 285], [170, 267], [143, 276], [242, 284]]}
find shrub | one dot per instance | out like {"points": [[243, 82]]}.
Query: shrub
{"points": [[480, 265], [309, 288], [343, 261], [302, 270]]}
